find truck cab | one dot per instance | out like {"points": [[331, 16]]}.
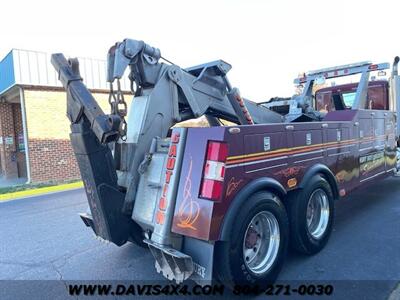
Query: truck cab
{"points": [[341, 97], [376, 130]]}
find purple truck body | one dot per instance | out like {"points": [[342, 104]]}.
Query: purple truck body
{"points": [[356, 146]]}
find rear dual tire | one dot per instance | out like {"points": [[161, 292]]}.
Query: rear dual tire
{"points": [[257, 244], [311, 212], [251, 256]]}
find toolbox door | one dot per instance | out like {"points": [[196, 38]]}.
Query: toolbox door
{"points": [[267, 153]]}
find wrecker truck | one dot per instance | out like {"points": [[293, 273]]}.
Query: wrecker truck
{"points": [[224, 202]]}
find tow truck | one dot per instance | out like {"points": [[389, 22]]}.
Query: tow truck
{"points": [[224, 202]]}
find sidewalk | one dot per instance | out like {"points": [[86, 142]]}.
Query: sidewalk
{"points": [[30, 191], [11, 182]]}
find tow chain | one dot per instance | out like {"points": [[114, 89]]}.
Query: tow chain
{"points": [[118, 107]]}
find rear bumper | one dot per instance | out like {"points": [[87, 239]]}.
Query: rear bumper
{"points": [[172, 264], [194, 261]]}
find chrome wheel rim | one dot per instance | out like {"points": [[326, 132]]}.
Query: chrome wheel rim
{"points": [[261, 242], [317, 213]]}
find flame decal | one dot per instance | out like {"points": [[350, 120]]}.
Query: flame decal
{"points": [[289, 172], [189, 210]]}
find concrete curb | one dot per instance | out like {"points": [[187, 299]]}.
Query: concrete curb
{"points": [[40, 191]]}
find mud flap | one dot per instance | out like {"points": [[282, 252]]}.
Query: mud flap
{"points": [[202, 254]]}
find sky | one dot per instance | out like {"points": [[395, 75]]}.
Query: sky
{"points": [[268, 43]]}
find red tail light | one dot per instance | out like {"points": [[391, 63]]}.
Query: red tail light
{"points": [[214, 171]]}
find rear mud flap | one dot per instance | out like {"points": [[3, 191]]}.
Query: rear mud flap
{"points": [[173, 264]]}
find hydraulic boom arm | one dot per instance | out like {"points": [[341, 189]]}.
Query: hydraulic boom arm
{"points": [[170, 94], [165, 95]]}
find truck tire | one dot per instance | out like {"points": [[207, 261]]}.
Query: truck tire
{"points": [[257, 244], [311, 214]]}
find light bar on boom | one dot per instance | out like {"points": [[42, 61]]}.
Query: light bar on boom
{"points": [[343, 70]]}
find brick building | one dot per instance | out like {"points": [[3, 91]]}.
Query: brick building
{"points": [[34, 129]]}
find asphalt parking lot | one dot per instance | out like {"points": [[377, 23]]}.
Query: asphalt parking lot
{"points": [[42, 238]]}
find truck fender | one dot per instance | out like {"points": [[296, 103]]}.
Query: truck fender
{"points": [[252, 187], [324, 170]]}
